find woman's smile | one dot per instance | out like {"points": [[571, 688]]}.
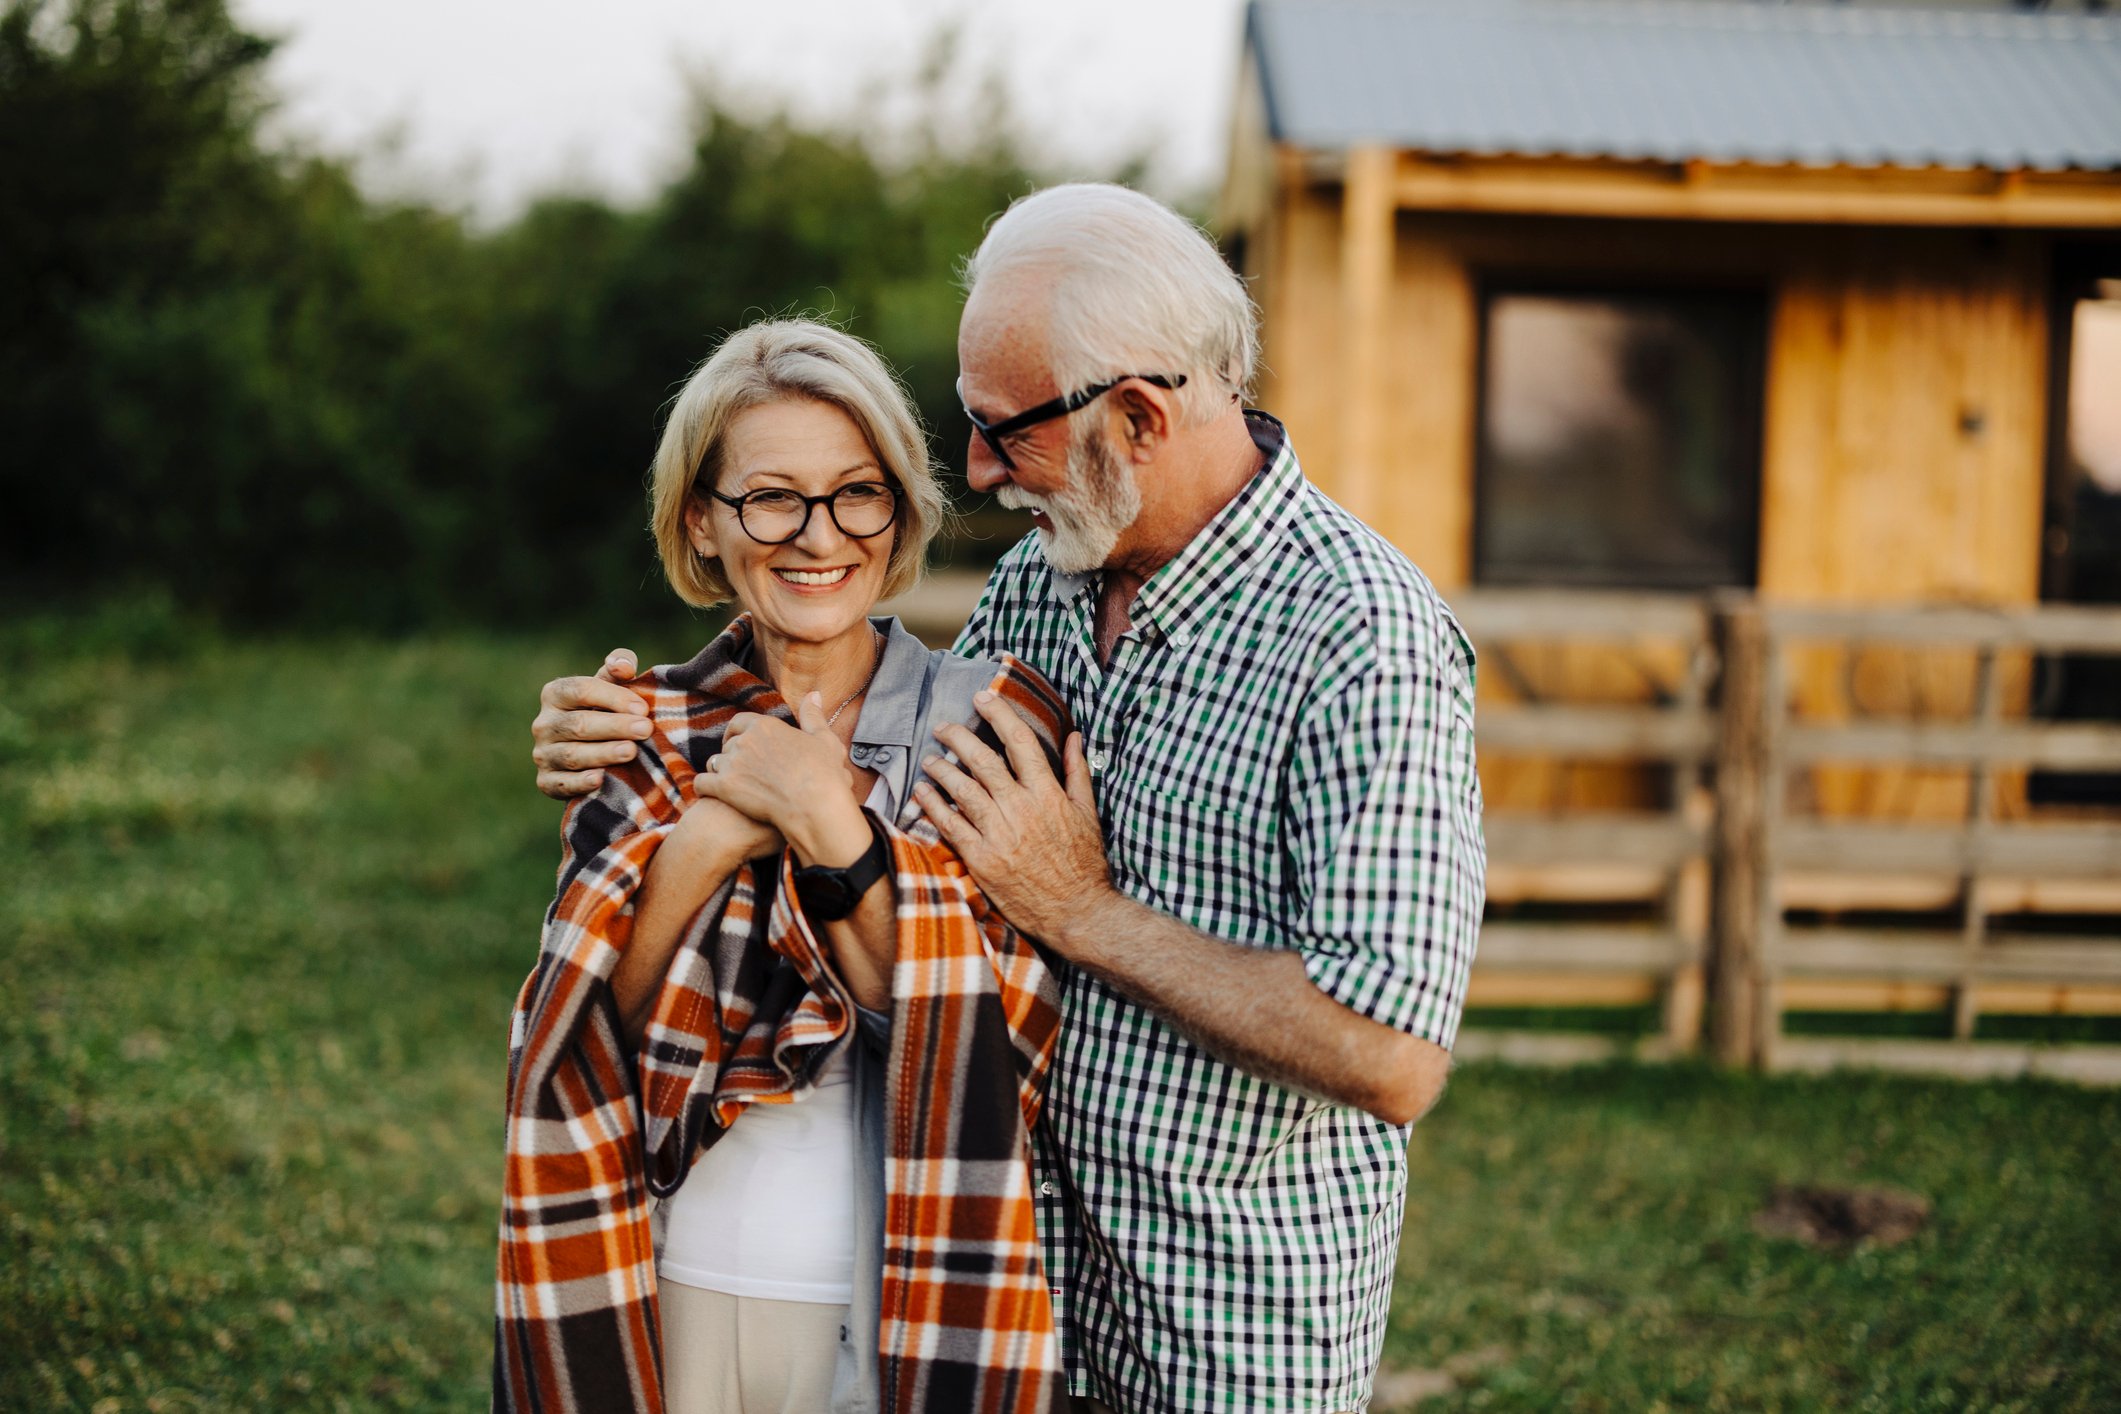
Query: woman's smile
{"points": [[814, 581]]}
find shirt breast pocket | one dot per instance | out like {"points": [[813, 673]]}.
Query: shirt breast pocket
{"points": [[1201, 855]]}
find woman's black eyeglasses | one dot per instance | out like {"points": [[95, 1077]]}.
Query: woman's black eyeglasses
{"points": [[993, 432], [775, 516]]}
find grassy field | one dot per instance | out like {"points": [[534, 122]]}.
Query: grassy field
{"points": [[267, 907]]}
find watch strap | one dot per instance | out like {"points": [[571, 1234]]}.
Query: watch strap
{"points": [[830, 894]]}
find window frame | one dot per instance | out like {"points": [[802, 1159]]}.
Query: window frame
{"points": [[1750, 300]]}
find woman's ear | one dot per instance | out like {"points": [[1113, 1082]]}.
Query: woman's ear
{"points": [[699, 528]]}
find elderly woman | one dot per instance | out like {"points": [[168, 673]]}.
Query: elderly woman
{"points": [[775, 1039]]}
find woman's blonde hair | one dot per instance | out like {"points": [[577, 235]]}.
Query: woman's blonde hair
{"points": [[779, 360]]}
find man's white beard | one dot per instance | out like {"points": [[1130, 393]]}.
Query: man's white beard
{"points": [[1087, 518]]}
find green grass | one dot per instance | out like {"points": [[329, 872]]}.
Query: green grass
{"points": [[1590, 1232], [267, 906]]}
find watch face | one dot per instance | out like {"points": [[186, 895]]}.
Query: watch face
{"points": [[825, 895], [828, 894]]}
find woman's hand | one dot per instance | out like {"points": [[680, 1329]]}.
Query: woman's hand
{"points": [[796, 779], [800, 780], [730, 830], [710, 842]]}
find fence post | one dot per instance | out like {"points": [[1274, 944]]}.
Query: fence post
{"points": [[1741, 827], [1690, 893], [1980, 816]]}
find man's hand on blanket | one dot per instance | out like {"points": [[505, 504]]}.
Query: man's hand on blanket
{"points": [[797, 780], [1033, 844], [586, 724]]}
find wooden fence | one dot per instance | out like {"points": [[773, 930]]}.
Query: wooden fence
{"points": [[1597, 862], [1749, 906], [1770, 959]]}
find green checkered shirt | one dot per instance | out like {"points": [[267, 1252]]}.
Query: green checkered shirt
{"points": [[1283, 748]]}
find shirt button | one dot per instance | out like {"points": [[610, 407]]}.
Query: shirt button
{"points": [[1047, 1189], [883, 756], [1097, 762], [860, 753]]}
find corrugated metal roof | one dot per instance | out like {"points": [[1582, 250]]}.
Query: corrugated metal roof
{"points": [[1671, 80]]}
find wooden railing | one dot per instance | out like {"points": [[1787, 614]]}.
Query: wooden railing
{"points": [[1596, 857], [1729, 857], [1767, 960]]}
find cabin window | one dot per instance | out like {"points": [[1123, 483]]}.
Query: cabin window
{"points": [[1619, 439]]}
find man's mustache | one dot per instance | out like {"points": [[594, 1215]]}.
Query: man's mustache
{"points": [[1015, 498]]}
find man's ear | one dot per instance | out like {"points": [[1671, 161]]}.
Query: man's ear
{"points": [[1148, 416], [699, 528]]}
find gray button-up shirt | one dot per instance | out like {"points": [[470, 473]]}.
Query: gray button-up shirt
{"points": [[916, 690]]}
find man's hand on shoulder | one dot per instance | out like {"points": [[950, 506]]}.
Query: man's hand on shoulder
{"points": [[1032, 843], [1031, 840], [586, 724]]}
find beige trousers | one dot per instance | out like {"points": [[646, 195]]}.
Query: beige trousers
{"points": [[1083, 1405], [726, 1354]]}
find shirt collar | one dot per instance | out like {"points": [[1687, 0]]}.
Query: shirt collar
{"points": [[1224, 554], [894, 697], [1064, 587], [1229, 549]]}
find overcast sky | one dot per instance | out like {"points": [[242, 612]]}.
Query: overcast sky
{"points": [[488, 101]]}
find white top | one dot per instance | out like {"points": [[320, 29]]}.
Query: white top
{"points": [[769, 1210]]}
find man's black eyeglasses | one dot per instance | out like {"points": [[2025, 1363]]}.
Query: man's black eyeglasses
{"points": [[775, 515], [993, 432]]}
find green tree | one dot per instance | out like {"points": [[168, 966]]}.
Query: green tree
{"points": [[226, 371]]}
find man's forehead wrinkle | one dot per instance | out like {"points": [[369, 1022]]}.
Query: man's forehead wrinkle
{"points": [[1004, 341]]}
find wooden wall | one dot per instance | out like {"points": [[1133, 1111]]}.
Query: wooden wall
{"points": [[1903, 457], [1905, 461], [1906, 427]]}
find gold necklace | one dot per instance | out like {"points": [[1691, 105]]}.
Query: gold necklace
{"points": [[877, 639]]}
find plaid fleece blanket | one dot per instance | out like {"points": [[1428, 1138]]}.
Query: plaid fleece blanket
{"points": [[749, 1014]]}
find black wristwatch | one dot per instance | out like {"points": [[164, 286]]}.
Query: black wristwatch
{"points": [[828, 895]]}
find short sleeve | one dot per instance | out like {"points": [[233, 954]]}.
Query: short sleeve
{"points": [[1382, 832]]}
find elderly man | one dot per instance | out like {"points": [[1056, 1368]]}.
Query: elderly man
{"points": [[1264, 862]]}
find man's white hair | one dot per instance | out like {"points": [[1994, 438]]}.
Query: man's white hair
{"points": [[1136, 288]]}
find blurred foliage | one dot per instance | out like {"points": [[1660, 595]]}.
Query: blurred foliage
{"points": [[227, 371]]}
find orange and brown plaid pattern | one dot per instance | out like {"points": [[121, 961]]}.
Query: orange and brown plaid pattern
{"points": [[749, 1014]]}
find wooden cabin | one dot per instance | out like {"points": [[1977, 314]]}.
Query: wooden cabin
{"points": [[1821, 303], [1749, 378]]}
